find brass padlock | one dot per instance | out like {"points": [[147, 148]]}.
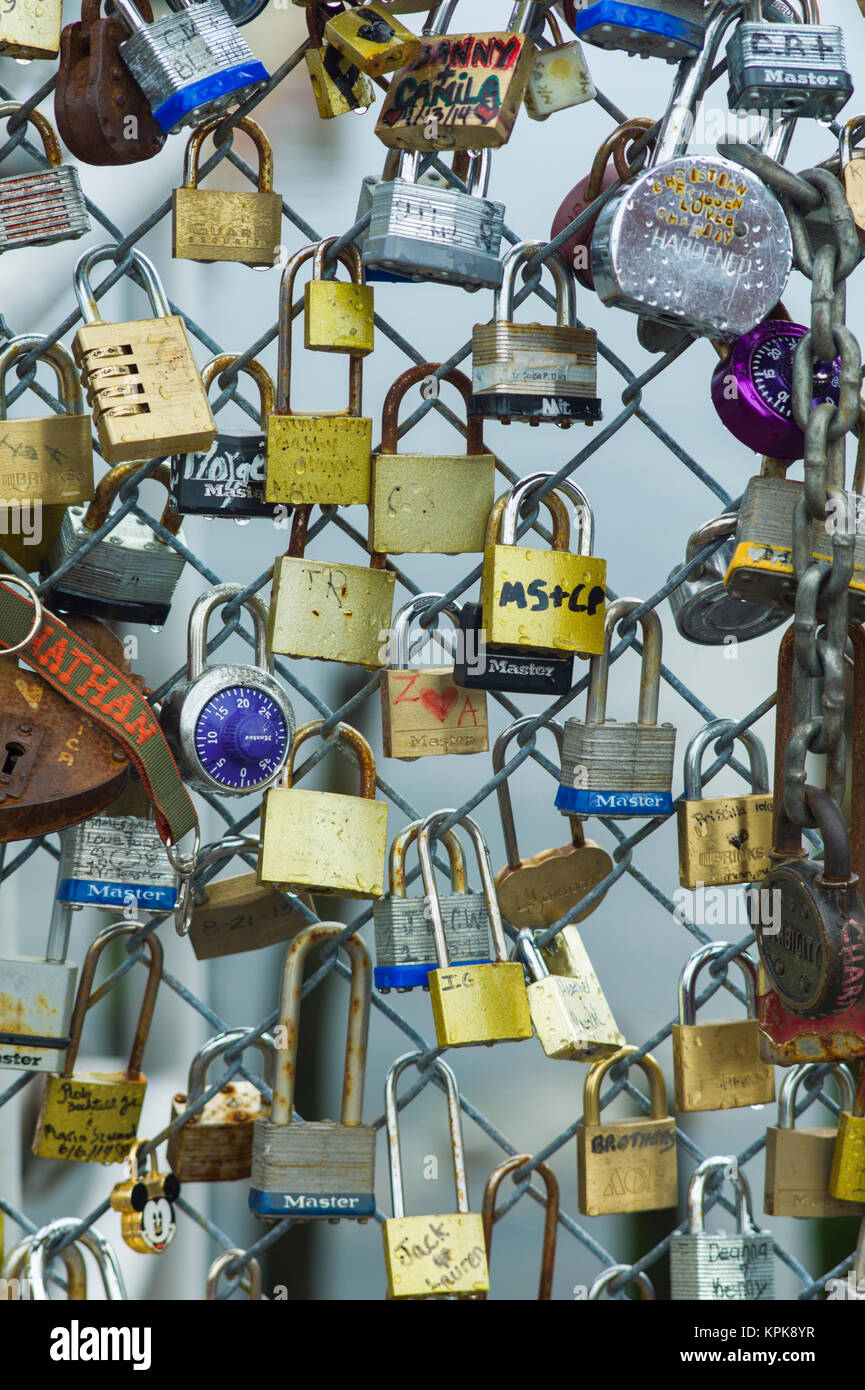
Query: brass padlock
{"points": [[325, 841], [146, 1205], [140, 377], [337, 84], [423, 713], [799, 1161], [571, 1017], [847, 1178], [435, 503], [240, 914], [329, 611], [560, 76], [92, 1117], [372, 39], [718, 1065], [216, 224], [627, 1165], [338, 317], [480, 1003], [537, 891], [215, 1143], [724, 839], [551, 1215]]}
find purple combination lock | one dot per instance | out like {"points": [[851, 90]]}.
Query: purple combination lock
{"points": [[751, 389]]}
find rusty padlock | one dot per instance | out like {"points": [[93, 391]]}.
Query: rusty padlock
{"points": [[575, 251]]}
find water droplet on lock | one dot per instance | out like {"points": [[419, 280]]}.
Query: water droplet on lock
{"points": [[155, 627]]}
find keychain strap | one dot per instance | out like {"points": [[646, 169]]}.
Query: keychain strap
{"points": [[104, 694]]}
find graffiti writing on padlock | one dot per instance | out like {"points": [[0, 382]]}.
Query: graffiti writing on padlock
{"points": [[578, 600]]}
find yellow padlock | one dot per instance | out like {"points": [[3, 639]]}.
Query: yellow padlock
{"points": [[372, 38], [222, 224], [338, 317]]}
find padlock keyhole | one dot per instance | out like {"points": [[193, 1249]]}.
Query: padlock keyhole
{"points": [[14, 751]]}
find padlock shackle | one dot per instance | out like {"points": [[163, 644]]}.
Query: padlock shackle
{"points": [[729, 1166], [218, 850], [250, 1278], [719, 528], [521, 495], [47, 133], [219, 1044], [476, 177], [199, 616], [153, 947], [598, 1070], [260, 375], [692, 73], [503, 791], [299, 528], [563, 279], [615, 147], [93, 1240], [849, 131], [555, 506], [411, 377], [688, 979], [641, 1282], [346, 734], [76, 1270], [399, 848], [650, 666], [551, 1215], [711, 733], [401, 626], [283, 359], [110, 484], [439, 18], [425, 834], [841, 1075], [348, 255], [192, 154], [351, 1109], [57, 357], [394, 1072], [147, 274], [527, 948], [132, 1160]]}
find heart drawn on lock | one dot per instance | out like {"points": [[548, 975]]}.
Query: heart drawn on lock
{"points": [[439, 702]]}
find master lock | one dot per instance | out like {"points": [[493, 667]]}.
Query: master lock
{"points": [[703, 609], [669, 29], [36, 998], [724, 839], [44, 205], [211, 224], [112, 862], [791, 69], [799, 1160], [718, 1065], [229, 727], [711, 1265]]}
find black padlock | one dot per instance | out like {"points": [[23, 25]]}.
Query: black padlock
{"points": [[480, 667]]}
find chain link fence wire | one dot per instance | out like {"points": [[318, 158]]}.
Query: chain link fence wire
{"points": [[300, 227]]}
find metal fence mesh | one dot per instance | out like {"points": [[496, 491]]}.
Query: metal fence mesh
{"points": [[298, 231]]}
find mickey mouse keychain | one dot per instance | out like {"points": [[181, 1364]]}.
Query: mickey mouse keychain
{"points": [[146, 1203]]}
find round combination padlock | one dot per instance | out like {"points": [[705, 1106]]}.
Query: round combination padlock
{"points": [[229, 727]]}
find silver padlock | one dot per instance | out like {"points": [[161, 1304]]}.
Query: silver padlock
{"points": [[45, 205], [36, 999], [130, 575], [114, 862], [704, 611], [560, 77], [694, 239], [229, 727], [404, 946], [191, 64], [617, 769], [531, 371], [441, 234], [430, 177], [714, 1266], [571, 1017], [670, 29], [791, 69]]}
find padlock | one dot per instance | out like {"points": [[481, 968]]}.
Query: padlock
{"points": [[789, 69], [568, 618], [471, 1004], [36, 998], [216, 224], [626, 1165], [724, 839], [112, 862], [429, 503], [228, 480], [752, 388], [337, 85], [426, 231], [146, 1205], [423, 713], [714, 1266], [31, 31], [131, 574], [315, 1168], [320, 456], [560, 77], [92, 1117], [45, 205], [463, 162], [92, 1239], [431, 1256], [215, 1144], [617, 146], [229, 727], [572, 1022], [530, 371], [718, 1065], [191, 64], [703, 609], [239, 914], [325, 841], [17, 1263], [479, 667], [551, 1215], [372, 38], [711, 264], [619, 769], [847, 1176], [101, 113], [853, 173], [536, 892], [151, 400], [669, 29], [641, 1282], [338, 317], [250, 1277], [45, 463], [404, 949], [799, 1161], [329, 611]]}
